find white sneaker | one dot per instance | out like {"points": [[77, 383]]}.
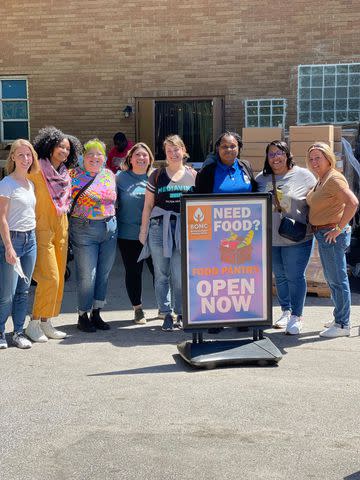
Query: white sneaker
{"points": [[329, 323], [335, 331], [34, 332], [283, 320], [294, 325], [3, 342], [20, 341], [50, 331]]}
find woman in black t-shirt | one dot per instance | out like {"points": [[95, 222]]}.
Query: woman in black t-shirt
{"points": [[160, 228]]}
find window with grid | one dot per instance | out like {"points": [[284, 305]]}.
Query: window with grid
{"points": [[328, 93], [267, 112], [14, 111]]}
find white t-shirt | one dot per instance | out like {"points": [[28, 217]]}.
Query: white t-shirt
{"points": [[292, 189], [21, 213]]}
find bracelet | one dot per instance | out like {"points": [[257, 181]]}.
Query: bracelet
{"points": [[337, 228]]}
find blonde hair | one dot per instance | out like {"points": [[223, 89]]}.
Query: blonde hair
{"points": [[132, 150], [176, 141], [10, 164], [325, 150]]}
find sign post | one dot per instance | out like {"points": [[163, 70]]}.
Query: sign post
{"points": [[226, 271]]}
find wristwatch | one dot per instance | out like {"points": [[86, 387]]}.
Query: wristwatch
{"points": [[337, 228]]}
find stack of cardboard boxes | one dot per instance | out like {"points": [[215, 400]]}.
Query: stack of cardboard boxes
{"points": [[255, 141], [300, 139]]}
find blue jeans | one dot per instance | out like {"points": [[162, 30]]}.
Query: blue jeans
{"points": [[13, 290], [289, 266], [332, 256], [94, 247], [167, 270]]}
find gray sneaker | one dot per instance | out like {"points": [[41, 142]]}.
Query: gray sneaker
{"points": [[139, 317], [3, 342], [20, 341]]}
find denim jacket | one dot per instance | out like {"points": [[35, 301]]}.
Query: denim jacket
{"points": [[168, 239]]}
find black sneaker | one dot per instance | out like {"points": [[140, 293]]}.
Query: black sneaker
{"points": [[178, 322], [168, 325], [139, 317], [97, 321], [84, 324]]}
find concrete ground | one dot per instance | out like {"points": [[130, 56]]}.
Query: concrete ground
{"points": [[122, 404]]}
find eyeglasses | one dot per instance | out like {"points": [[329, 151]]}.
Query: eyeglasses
{"points": [[279, 153]]}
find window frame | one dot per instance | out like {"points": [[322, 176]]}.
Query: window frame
{"points": [[2, 120], [145, 116], [329, 76], [271, 115]]}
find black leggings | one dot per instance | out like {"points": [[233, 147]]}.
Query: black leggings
{"points": [[130, 251]]}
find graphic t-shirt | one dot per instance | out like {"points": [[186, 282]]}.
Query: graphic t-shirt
{"points": [[131, 195], [167, 192], [98, 200], [292, 189]]}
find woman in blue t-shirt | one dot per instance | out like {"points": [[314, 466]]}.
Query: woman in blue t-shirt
{"points": [[131, 186]]}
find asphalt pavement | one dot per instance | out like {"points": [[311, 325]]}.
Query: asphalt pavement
{"points": [[122, 404]]}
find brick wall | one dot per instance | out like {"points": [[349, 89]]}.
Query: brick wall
{"points": [[86, 59]]}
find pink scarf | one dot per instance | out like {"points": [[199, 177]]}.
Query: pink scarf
{"points": [[58, 183]]}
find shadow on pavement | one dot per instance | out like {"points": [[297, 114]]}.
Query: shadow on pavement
{"points": [[179, 365], [125, 334]]}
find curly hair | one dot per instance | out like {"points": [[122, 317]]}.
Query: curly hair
{"points": [[49, 137]]}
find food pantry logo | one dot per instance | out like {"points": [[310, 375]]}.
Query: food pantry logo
{"points": [[199, 226], [198, 215]]}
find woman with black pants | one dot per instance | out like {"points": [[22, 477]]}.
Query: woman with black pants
{"points": [[131, 185]]}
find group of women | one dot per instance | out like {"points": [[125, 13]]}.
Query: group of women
{"points": [[55, 184]]}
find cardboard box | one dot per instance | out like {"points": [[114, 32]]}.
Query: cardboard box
{"points": [[300, 161], [338, 147], [263, 134], [312, 133], [337, 134], [257, 163], [254, 149], [299, 149]]}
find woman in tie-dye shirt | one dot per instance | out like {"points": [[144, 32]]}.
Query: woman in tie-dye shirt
{"points": [[93, 233]]}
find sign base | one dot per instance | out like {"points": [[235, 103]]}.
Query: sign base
{"points": [[216, 353]]}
